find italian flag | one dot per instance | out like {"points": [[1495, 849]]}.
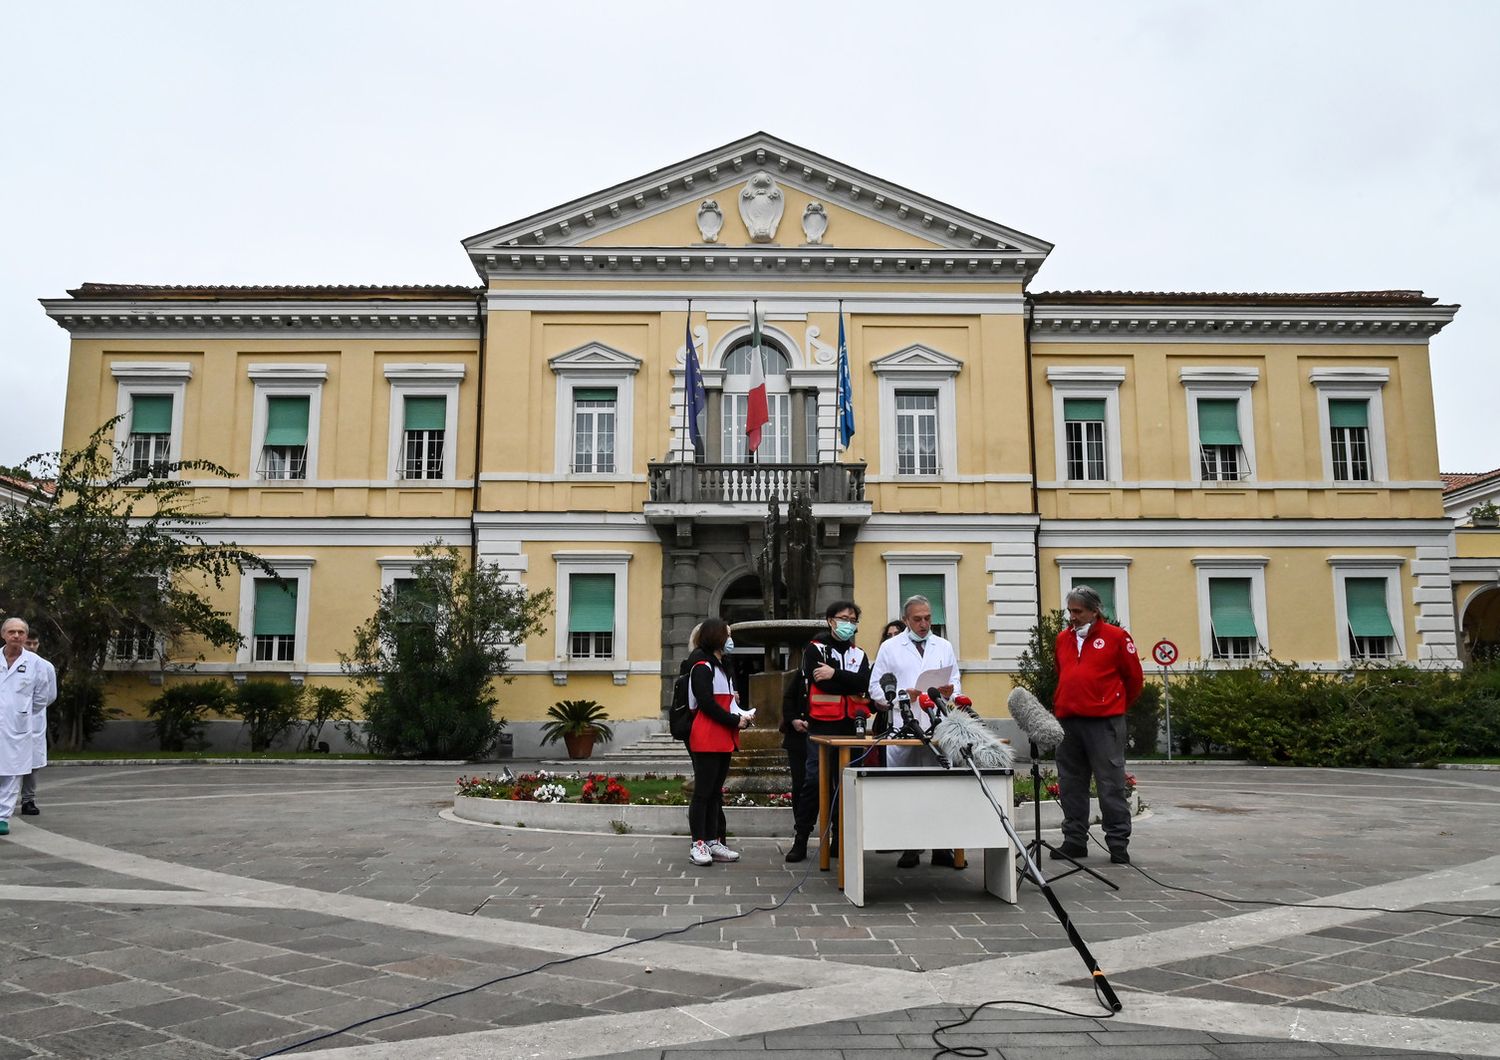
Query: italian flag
{"points": [[757, 411]]}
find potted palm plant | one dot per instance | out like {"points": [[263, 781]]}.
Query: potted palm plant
{"points": [[578, 723]]}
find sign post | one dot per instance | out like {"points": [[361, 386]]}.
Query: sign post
{"points": [[1164, 652]]}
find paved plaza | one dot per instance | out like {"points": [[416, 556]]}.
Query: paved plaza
{"points": [[193, 911]]}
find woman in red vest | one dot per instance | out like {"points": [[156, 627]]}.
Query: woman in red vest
{"points": [[715, 736]]}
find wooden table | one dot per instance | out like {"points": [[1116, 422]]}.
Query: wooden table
{"points": [[926, 806], [841, 749]]}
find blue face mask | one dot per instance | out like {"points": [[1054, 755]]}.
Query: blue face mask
{"points": [[845, 630], [729, 646], [917, 638]]}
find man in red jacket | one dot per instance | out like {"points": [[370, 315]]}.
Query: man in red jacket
{"points": [[1098, 677]]}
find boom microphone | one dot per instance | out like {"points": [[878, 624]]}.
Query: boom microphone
{"points": [[1036, 721], [960, 735]]}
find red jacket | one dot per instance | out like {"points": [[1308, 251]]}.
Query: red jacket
{"points": [[1103, 679]]}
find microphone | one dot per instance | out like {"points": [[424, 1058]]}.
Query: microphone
{"points": [[908, 720], [960, 735], [937, 700], [888, 688], [1036, 721]]}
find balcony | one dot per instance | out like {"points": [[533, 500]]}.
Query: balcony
{"points": [[731, 492]]}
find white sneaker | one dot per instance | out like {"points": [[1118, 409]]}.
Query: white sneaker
{"points": [[719, 852], [699, 854]]}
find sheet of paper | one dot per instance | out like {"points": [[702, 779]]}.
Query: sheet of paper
{"points": [[934, 678]]}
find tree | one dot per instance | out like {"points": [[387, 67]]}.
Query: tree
{"points": [[115, 553], [428, 657], [1037, 670]]}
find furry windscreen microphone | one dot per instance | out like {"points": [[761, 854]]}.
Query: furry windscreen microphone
{"points": [[1036, 721], [959, 732]]}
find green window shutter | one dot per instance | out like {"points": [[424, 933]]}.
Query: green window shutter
{"points": [[930, 586], [426, 413], [1083, 408], [1229, 607], [1368, 617], [151, 414], [596, 394], [591, 603], [275, 608], [1219, 421], [1344, 413], [1105, 587], [286, 420]]}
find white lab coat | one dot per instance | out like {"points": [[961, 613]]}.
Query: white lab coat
{"points": [[899, 656], [23, 690], [39, 717]]}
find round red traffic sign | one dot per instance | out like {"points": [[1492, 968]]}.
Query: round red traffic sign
{"points": [[1164, 652]]}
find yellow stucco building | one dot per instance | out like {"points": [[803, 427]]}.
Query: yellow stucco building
{"points": [[1238, 473]]}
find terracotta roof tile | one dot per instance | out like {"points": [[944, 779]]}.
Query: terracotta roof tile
{"points": [[1457, 480], [332, 292], [1337, 299]]}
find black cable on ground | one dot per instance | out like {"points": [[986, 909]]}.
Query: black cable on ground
{"points": [[806, 874], [977, 1050], [1301, 905]]}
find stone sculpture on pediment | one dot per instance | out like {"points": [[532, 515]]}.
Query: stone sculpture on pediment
{"points": [[710, 220], [761, 206], [814, 222]]}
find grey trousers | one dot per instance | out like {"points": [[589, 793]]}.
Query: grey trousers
{"points": [[28, 788], [1093, 747]]}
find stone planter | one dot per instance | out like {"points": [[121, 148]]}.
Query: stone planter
{"points": [[763, 821], [579, 744]]}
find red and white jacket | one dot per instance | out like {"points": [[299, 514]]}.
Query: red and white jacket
{"points": [[1100, 679], [712, 699]]}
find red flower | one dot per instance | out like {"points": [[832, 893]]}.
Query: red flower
{"points": [[1054, 790]]}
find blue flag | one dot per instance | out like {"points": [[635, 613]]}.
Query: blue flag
{"points": [[695, 395], [846, 397]]}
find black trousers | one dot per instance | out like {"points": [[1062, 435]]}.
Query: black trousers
{"points": [[795, 745], [805, 812], [1093, 747], [706, 811]]}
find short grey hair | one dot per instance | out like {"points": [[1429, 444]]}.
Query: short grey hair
{"points": [[24, 624], [918, 599], [1087, 597]]}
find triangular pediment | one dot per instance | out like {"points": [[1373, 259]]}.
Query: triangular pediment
{"points": [[593, 357], [823, 204], [917, 358]]}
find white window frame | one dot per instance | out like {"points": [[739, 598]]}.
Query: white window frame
{"points": [[1387, 567], [1357, 384], [943, 563], [919, 368], [590, 367], [1211, 567], [1068, 381], [1070, 568], [424, 379], [1221, 384], [150, 379], [296, 569], [569, 563], [286, 380]]}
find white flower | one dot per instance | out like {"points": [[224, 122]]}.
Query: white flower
{"points": [[550, 793]]}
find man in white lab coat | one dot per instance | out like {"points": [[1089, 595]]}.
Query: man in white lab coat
{"points": [[22, 691], [38, 729], [908, 656]]}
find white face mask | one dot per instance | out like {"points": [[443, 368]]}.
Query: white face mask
{"points": [[729, 646], [917, 637]]}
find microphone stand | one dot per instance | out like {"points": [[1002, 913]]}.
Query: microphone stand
{"points": [[1032, 871], [1037, 844]]}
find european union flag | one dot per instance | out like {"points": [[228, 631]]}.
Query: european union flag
{"points": [[846, 395], [696, 395]]}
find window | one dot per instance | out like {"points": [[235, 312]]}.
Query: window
{"points": [[284, 454], [776, 435], [591, 616], [425, 423], [1106, 575], [1349, 439], [932, 586], [1233, 619], [1083, 432], [1104, 585], [594, 411], [150, 439], [134, 643], [1219, 447], [917, 432], [275, 621], [1371, 635]]}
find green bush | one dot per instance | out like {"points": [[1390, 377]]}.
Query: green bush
{"points": [[1361, 716], [268, 709], [178, 714], [79, 709], [328, 705], [1143, 721]]}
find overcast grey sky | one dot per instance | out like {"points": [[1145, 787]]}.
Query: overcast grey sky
{"points": [[1214, 146]]}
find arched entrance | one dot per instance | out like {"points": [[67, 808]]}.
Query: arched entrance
{"points": [[741, 602], [1481, 625]]}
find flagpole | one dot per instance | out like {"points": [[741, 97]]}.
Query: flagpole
{"points": [[838, 388], [687, 401]]}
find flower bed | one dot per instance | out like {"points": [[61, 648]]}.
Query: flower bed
{"points": [[656, 804]]}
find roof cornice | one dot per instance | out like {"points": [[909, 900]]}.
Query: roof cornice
{"points": [[128, 318], [1237, 323], [768, 261]]}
